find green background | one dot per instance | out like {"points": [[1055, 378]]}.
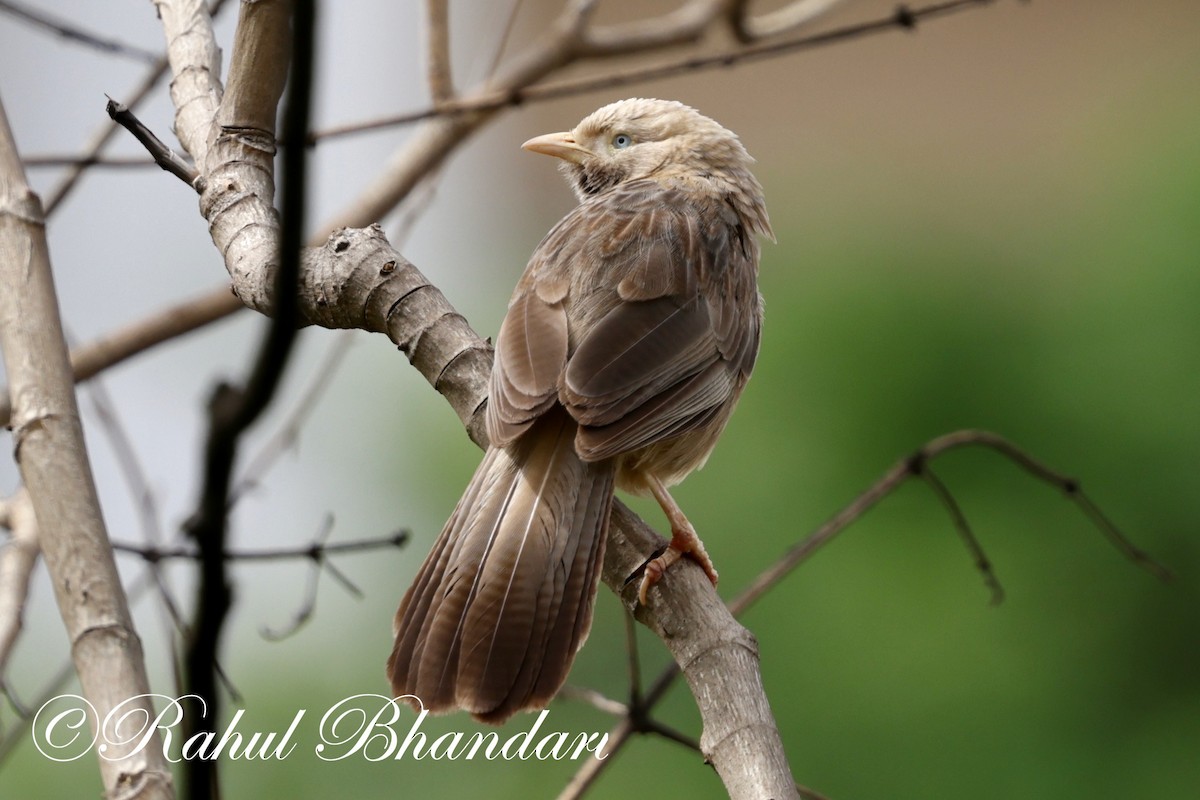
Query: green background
{"points": [[993, 223]]}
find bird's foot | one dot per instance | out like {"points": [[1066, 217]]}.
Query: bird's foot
{"points": [[684, 541]]}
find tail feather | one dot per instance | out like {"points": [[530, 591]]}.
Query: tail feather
{"points": [[504, 600]]}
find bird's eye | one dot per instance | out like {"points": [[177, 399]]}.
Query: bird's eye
{"points": [[621, 141]]}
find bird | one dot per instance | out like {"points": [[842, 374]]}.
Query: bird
{"points": [[625, 347]]}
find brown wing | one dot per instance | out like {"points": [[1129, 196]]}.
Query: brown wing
{"points": [[531, 353], [669, 322]]}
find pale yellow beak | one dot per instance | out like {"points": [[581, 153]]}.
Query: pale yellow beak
{"points": [[560, 145]]}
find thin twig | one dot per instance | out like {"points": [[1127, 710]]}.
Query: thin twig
{"points": [[502, 43], [903, 19], [318, 552], [590, 770], [285, 438], [103, 135], [72, 32], [649, 725], [309, 605], [796, 14], [633, 663], [322, 551], [809, 794], [915, 465], [1069, 486], [595, 699], [142, 495], [128, 462], [164, 156], [964, 530], [51, 160]]}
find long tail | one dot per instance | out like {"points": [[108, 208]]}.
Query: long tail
{"points": [[504, 600]]}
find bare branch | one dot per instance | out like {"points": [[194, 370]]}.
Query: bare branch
{"points": [[684, 25], [502, 40], [964, 529], [318, 550], [58, 160], [54, 467], [289, 431], [196, 66], [917, 464], [1068, 485], [164, 156], [105, 132], [594, 699], [309, 604], [773, 23], [493, 99], [14, 734], [72, 32], [914, 465], [101, 137], [239, 163], [90, 359], [437, 47]]}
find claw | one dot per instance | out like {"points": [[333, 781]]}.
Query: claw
{"points": [[684, 541]]}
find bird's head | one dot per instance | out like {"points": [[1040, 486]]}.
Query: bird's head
{"points": [[640, 138]]}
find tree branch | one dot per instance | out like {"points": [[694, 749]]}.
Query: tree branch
{"points": [[317, 551], [70, 31], [241, 148], [164, 156], [195, 63], [104, 133], [91, 359], [54, 467], [774, 23], [916, 464], [437, 50], [491, 99]]}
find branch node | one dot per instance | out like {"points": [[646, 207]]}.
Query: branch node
{"points": [[905, 18]]}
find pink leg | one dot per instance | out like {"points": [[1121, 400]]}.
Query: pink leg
{"points": [[684, 541]]}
